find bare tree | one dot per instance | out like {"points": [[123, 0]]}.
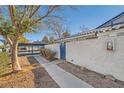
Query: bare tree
{"points": [[51, 39], [84, 28], [45, 39], [66, 34], [58, 29]]}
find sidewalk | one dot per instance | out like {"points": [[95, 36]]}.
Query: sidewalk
{"points": [[62, 78]]}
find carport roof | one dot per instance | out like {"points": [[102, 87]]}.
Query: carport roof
{"points": [[35, 44]]}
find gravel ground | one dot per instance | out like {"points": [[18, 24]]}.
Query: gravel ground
{"points": [[93, 78], [32, 75]]}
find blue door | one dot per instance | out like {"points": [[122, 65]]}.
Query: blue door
{"points": [[63, 51]]}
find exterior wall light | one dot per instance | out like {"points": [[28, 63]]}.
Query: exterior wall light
{"points": [[110, 45]]}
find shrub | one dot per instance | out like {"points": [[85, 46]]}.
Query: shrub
{"points": [[48, 54], [4, 57], [4, 63]]}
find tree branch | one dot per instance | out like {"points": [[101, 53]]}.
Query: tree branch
{"points": [[12, 12], [24, 13], [50, 10], [9, 40], [37, 8]]}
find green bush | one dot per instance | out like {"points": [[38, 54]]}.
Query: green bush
{"points": [[4, 63], [4, 58], [48, 54]]}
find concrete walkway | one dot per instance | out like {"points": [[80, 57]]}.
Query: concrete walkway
{"points": [[60, 76]]}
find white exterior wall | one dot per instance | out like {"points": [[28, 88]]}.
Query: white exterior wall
{"points": [[55, 48], [93, 54]]}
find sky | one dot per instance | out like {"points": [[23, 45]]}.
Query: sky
{"points": [[86, 16], [90, 16]]}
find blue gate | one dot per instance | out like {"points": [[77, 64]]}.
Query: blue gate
{"points": [[63, 51]]}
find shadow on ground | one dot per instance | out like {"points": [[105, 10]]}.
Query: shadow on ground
{"points": [[41, 77]]}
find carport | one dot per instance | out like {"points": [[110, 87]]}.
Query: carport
{"points": [[29, 48]]}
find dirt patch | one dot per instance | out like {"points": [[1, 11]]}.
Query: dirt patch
{"points": [[32, 75], [93, 78], [22, 79], [42, 78]]}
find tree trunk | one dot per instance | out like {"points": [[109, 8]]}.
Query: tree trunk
{"points": [[14, 57]]}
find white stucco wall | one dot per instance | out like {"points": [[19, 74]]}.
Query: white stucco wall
{"points": [[55, 48], [92, 54]]}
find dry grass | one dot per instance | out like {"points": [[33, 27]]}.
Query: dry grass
{"points": [[23, 78], [93, 78], [33, 75]]}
